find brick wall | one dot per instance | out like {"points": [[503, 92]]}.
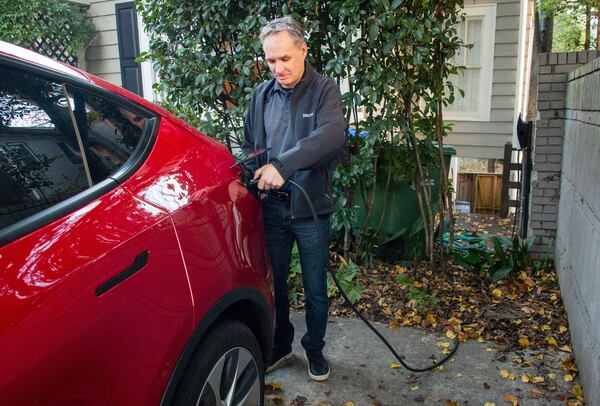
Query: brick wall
{"points": [[548, 144]]}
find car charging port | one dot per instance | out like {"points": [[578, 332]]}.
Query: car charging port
{"points": [[246, 174]]}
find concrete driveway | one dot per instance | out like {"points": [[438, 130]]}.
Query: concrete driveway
{"points": [[361, 372]]}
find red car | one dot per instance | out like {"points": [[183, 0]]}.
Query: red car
{"points": [[133, 268]]}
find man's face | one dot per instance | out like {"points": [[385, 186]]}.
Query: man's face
{"points": [[285, 58]]}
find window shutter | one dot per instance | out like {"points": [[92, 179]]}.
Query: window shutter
{"points": [[129, 47]]}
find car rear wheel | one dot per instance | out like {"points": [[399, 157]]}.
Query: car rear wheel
{"points": [[227, 369]]}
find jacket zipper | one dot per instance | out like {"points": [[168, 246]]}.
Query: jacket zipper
{"points": [[293, 125]]}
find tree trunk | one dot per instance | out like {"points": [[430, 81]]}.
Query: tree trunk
{"points": [[588, 27], [547, 30], [598, 26], [535, 65], [537, 29]]}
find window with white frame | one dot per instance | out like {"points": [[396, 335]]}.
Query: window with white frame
{"points": [[476, 79]]}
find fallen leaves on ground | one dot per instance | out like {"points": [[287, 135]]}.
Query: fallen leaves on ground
{"points": [[273, 386], [520, 317], [271, 399], [522, 313], [506, 374], [273, 395], [578, 392], [512, 399], [523, 342]]}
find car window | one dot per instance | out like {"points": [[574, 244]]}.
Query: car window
{"points": [[57, 141], [35, 134], [110, 132]]}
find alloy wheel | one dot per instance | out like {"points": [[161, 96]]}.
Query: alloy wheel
{"points": [[233, 381]]}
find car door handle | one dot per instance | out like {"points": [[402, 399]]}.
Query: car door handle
{"points": [[138, 263]]}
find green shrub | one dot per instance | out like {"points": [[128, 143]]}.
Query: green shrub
{"points": [[389, 54], [63, 23], [506, 257], [346, 276], [294, 277], [511, 255], [420, 295]]}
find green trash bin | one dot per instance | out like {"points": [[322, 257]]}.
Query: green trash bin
{"points": [[399, 215]]}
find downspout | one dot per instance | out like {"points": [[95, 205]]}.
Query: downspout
{"points": [[521, 69], [528, 62], [521, 99]]}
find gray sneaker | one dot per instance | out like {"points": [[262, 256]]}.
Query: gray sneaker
{"points": [[278, 358]]}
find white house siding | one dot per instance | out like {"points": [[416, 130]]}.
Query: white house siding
{"points": [[102, 56], [486, 139]]}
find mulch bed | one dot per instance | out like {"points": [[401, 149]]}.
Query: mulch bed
{"points": [[522, 313], [523, 306]]}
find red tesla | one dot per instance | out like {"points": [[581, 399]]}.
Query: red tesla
{"points": [[133, 268]]}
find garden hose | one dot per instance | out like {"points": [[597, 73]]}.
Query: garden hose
{"points": [[359, 314]]}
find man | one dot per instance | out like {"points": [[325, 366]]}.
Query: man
{"points": [[297, 115]]}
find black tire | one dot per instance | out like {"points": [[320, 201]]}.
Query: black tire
{"points": [[230, 356]]}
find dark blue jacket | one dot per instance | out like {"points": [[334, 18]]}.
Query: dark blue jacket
{"points": [[318, 130]]}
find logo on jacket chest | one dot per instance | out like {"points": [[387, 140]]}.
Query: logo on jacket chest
{"points": [[307, 115]]}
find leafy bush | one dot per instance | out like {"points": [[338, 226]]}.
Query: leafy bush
{"points": [[511, 255], [393, 57], [346, 277], [507, 256], [209, 59], [63, 22], [421, 296], [294, 277]]}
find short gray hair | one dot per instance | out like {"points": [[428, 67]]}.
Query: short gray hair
{"points": [[288, 24]]}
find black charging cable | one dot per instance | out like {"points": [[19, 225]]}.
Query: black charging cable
{"points": [[358, 313], [250, 183]]}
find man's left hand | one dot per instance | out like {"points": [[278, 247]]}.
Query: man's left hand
{"points": [[268, 177]]}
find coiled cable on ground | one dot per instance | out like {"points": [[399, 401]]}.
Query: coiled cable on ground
{"points": [[359, 314]]}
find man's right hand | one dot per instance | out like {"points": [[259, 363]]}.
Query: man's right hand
{"points": [[268, 177]]}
